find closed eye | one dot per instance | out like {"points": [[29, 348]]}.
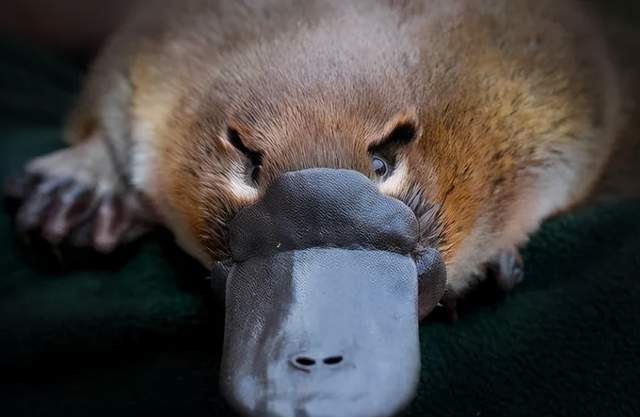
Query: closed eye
{"points": [[254, 157]]}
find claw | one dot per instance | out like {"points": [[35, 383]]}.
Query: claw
{"points": [[82, 236], [33, 211], [73, 205], [141, 216], [74, 197], [112, 221], [507, 269], [62, 210]]}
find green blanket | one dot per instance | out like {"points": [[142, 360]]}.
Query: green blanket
{"points": [[137, 334]]}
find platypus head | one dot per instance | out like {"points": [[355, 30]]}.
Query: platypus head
{"points": [[322, 299], [322, 296]]}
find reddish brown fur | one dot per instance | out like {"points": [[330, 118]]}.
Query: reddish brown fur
{"points": [[513, 100]]}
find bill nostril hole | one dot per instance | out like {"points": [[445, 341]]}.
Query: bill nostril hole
{"points": [[303, 362], [333, 360]]}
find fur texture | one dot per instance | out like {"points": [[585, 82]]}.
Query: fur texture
{"points": [[514, 107]]}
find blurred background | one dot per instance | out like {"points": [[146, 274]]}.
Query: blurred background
{"points": [[78, 27], [74, 27]]}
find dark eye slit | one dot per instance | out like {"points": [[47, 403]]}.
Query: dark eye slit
{"points": [[254, 157], [402, 135]]}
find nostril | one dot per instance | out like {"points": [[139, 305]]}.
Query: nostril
{"points": [[307, 363], [332, 360], [303, 362]]}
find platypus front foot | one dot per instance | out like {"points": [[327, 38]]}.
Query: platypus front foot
{"points": [[499, 275], [74, 196], [506, 269]]}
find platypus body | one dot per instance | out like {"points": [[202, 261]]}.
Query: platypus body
{"points": [[483, 118]]}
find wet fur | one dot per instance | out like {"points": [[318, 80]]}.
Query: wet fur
{"points": [[517, 105]]}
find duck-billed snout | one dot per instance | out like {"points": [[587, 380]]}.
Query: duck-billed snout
{"points": [[322, 300], [333, 332]]}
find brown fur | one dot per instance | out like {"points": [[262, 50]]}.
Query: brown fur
{"points": [[516, 104]]}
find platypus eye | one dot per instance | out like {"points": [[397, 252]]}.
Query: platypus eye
{"points": [[384, 154], [254, 157], [380, 166]]}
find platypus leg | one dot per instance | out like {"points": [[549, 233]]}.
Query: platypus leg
{"points": [[502, 272], [506, 269], [76, 195]]}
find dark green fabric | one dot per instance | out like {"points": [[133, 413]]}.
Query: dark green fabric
{"points": [[135, 334]]}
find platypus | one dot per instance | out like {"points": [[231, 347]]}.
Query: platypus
{"points": [[470, 122]]}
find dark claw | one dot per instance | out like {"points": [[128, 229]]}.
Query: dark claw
{"points": [[61, 210], [34, 209], [72, 206], [107, 224], [82, 235], [113, 222], [507, 270], [139, 216]]}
